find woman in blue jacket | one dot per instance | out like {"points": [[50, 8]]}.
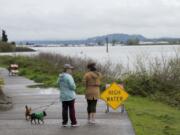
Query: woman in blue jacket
{"points": [[67, 95]]}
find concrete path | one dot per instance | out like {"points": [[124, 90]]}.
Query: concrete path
{"points": [[12, 122]]}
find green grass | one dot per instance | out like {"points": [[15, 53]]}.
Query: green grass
{"points": [[41, 71], [152, 118]]}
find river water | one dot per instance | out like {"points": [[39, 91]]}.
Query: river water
{"points": [[125, 55], [117, 54]]}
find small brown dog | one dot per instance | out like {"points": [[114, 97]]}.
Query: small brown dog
{"points": [[28, 113]]}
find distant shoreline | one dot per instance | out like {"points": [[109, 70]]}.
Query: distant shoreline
{"points": [[150, 44], [55, 45], [6, 47]]}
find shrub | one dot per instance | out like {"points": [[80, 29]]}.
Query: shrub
{"points": [[159, 80], [6, 47], [11, 47]]}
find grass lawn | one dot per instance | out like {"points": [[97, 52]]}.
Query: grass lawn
{"points": [[152, 118]]}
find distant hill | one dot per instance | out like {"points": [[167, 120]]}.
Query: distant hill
{"points": [[100, 40], [116, 37]]}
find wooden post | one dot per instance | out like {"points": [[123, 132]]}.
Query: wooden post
{"points": [[107, 47]]}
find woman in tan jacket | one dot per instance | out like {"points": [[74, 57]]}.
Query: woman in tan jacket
{"points": [[92, 83]]}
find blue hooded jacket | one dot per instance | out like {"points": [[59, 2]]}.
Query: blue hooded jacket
{"points": [[67, 87]]}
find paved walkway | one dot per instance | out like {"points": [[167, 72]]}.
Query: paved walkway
{"points": [[12, 122]]}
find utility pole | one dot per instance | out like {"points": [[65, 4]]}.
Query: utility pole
{"points": [[107, 47]]}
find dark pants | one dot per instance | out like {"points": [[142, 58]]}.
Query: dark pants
{"points": [[65, 106], [91, 108]]}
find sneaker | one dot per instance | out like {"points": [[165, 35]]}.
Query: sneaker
{"points": [[64, 125], [92, 122], [75, 125]]}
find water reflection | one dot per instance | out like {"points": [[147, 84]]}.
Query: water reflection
{"points": [[47, 91]]}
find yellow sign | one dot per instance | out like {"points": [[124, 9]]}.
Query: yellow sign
{"points": [[114, 95]]}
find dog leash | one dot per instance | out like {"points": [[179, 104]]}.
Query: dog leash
{"points": [[46, 106]]}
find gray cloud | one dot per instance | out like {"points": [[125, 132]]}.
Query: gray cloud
{"points": [[77, 19]]}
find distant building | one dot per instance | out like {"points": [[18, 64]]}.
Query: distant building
{"points": [[146, 43], [162, 42], [153, 42]]}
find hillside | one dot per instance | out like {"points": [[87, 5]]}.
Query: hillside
{"points": [[101, 40], [93, 40], [116, 37]]}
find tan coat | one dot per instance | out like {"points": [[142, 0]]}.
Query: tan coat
{"points": [[92, 83]]}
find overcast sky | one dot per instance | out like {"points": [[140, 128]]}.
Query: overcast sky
{"points": [[79, 19]]}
